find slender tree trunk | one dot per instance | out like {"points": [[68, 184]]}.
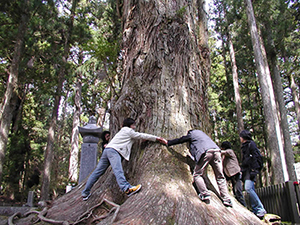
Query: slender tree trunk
{"points": [[50, 145], [289, 155], [237, 96], [51, 132], [12, 86], [270, 113], [293, 87], [73, 165], [278, 89]]}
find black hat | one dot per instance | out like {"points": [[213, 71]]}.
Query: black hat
{"points": [[245, 134]]}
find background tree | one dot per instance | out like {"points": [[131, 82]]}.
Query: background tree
{"points": [[66, 36], [250, 95], [278, 86], [7, 106]]}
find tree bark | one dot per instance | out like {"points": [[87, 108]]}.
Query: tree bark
{"points": [[269, 104], [73, 165], [288, 150], [164, 90], [12, 86], [293, 87], [237, 96], [278, 89]]}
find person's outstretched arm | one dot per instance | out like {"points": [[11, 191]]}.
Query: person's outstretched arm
{"points": [[180, 140]]}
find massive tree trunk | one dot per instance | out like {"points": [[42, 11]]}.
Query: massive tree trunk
{"points": [[12, 85], [274, 141], [164, 90]]}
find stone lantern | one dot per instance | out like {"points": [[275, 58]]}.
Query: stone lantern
{"points": [[91, 134]]}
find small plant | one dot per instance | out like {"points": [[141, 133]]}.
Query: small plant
{"points": [[181, 12]]}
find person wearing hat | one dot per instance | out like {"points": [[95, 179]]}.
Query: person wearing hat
{"points": [[232, 171], [249, 171]]}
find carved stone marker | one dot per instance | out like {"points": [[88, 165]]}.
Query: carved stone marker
{"points": [[88, 159], [30, 199]]}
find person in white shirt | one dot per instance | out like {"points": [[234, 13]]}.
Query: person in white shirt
{"points": [[119, 147]]}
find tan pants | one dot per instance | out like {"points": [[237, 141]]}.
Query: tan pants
{"points": [[212, 157]]}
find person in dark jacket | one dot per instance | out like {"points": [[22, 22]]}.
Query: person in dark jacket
{"points": [[232, 171], [204, 151], [250, 170]]}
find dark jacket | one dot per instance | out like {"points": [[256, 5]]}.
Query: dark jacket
{"points": [[248, 150], [198, 141]]}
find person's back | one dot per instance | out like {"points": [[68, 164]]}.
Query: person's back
{"points": [[199, 143], [232, 171], [205, 151]]}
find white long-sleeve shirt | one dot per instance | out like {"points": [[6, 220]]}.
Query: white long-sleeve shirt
{"points": [[123, 140]]}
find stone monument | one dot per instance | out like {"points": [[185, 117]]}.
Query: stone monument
{"points": [[88, 158]]}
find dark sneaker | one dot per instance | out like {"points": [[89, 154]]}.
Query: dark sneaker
{"points": [[227, 203], [84, 198], [204, 197], [133, 190]]}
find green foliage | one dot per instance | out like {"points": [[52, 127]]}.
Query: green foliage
{"points": [[94, 49], [180, 13], [279, 17]]}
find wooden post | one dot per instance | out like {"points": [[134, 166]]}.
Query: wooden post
{"points": [[292, 199]]}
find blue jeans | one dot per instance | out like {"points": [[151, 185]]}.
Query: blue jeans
{"points": [[256, 205], [109, 157]]}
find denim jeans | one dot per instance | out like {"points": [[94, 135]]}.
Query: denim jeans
{"points": [[109, 157], [256, 205], [212, 157]]}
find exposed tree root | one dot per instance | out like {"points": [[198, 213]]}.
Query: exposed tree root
{"points": [[89, 212], [11, 219], [85, 216]]}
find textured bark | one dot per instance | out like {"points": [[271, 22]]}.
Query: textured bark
{"points": [[274, 141], [278, 89], [288, 150], [12, 86], [49, 151], [295, 94], [164, 89], [73, 164], [237, 96]]}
